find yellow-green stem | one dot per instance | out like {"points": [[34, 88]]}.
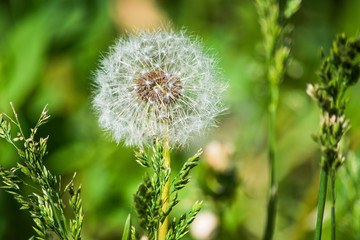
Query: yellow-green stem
{"points": [[163, 228]]}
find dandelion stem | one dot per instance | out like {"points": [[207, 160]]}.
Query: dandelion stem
{"points": [[271, 209], [163, 228], [321, 203]]}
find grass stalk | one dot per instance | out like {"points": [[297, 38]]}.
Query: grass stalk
{"points": [[61, 224], [272, 201], [333, 224], [163, 228], [321, 203]]}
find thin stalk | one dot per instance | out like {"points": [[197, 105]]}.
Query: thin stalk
{"points": [[163, 228], [321, 203], [333, 225], [63, 232], [272, 202]]}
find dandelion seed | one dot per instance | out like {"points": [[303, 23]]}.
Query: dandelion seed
{"points": [[164, 84]]}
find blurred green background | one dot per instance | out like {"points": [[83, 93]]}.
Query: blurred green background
{"points": [[49, 50]]}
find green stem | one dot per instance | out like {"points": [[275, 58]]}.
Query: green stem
{"points": [[321, 203], [63, 218], [61, 221], [62, 233], [272, 202], [333, 225], [163, 228]]}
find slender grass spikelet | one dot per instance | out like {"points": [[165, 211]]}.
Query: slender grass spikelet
{"points": [[155, 85]]}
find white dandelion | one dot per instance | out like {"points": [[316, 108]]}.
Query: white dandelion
{"points": [[158, 85]]}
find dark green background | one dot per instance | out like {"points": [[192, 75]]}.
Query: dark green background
{"points": [[49, 50]]}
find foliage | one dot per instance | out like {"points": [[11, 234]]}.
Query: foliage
{"points": [[148, 198], [45, 202], [127, 229], [348, 199]]}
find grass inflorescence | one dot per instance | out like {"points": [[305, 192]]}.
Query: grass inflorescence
{"points": [[45, 202], [337, 73]]}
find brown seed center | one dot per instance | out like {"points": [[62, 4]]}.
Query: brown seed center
{"points": [[158, 87]]}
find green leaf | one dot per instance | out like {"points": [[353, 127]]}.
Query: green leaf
{"points": [[127, 229], [292, 7], [142, 158]]}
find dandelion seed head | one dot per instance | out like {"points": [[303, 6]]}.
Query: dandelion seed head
{"points": [[160, 85]]}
